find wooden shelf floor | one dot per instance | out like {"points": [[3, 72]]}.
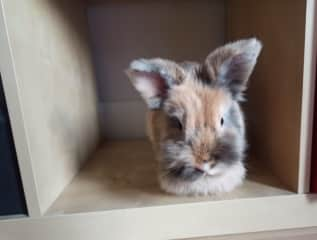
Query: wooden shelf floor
{"points": [[122, 174]]}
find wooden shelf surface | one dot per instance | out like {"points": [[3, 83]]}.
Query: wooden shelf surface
{"points": [[122, 174]]}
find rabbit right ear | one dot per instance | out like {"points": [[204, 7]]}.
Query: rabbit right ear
{"points": [[231, 65], [153, 77]]}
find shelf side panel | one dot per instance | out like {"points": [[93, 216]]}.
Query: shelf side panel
{"points": [[275, 90], [54, 76]]}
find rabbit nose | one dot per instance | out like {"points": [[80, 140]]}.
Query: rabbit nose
{"points": [[205, 161]]}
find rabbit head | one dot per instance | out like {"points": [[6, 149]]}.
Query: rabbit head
{"points": [[195, 121]]}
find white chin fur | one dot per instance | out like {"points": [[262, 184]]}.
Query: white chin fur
{"points": [[206, 185]]}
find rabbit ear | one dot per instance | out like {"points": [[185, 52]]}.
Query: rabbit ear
{"points": [[230, 66], [153, 77]]}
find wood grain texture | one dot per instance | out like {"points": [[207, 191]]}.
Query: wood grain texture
{"points": [[122, 174], [56, 86], [275, 90]]}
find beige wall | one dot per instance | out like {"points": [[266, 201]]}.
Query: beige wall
{"points": [[124, 30]]}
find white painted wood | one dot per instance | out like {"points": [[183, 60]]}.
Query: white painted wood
{"points": [[293, 234], [15, 108], [55, 86], [308, 97], [53, 110], [172, 221]]}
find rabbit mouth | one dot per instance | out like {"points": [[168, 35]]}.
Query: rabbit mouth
{"points": [[210, 172], [207, 169], [216, 170], [185, 173]]}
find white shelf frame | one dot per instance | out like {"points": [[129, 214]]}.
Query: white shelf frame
{"points": [[308, 97], [172, 221]]}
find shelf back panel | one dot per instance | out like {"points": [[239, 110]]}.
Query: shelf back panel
{"points": [[121, 31]]}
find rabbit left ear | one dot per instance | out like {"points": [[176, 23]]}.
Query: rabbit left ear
{"points": [[153, 77], [230, 66]]}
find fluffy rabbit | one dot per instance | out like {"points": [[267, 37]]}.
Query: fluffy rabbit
{"points": [[194, 121]]}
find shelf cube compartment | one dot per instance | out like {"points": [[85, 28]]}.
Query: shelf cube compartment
{"points": [[83, 146]]}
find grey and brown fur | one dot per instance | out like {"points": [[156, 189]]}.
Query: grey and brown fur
{"points": [[194, 120]]}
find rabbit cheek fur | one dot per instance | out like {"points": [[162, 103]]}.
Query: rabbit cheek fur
{"points": [[194, 121], [177, 150]]}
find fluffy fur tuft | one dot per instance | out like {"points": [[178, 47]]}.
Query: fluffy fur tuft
{"points": [[195, 122], [206, 185]]}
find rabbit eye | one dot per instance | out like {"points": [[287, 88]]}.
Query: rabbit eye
{"points": [[221, 121], [176, 123]]}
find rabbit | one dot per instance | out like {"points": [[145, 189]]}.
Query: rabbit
{"points": [[195, 122]]}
